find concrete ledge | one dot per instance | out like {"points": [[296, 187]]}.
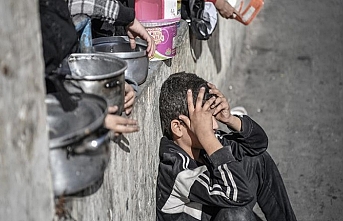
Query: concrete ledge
{"points": [[128, 190]]}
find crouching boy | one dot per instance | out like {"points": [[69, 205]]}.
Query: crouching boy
{"points": [[208, 174]]}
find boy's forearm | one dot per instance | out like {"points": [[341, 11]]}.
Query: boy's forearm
{"points": [[210, 144], [251, 139], [234, 123], [226, 173]]}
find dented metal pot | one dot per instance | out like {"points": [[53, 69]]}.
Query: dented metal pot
{"points": [[99, 74], [78, 143]]}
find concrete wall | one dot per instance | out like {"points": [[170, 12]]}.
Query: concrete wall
{"points": [[25, 180], [128, 191]]}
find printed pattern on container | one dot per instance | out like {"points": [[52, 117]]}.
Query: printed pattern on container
{"points": [[164, 38]]}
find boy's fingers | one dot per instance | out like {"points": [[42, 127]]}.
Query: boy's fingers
{"points": [[212, 86], [214, 90], [219, 108], [200, 97], [209, 103], [190, 101], [217, 101], [186, 120]]}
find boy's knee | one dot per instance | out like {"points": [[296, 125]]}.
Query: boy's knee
{"points": [[258, 164], [235, 214]]}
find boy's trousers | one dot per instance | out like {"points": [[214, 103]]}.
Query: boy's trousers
{"points": [[266, 184]]}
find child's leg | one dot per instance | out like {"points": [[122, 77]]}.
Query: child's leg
{"points": [[268, 187]]}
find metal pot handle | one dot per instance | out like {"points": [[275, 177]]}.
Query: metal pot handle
{"points": [[112, 84], [93, 145]]}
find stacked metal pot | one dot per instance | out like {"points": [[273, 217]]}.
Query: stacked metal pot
{"points": [[119, 46], [78, 142]]}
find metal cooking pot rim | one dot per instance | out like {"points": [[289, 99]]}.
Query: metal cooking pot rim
{"points": [[75, 68], [125, 39], [74, 125], [140, 44]]}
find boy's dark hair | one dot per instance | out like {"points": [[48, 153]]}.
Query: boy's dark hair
{"points": [[173, 97]]}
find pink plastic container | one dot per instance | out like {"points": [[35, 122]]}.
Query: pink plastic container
{"points": [[164, 32], [147, 10]]}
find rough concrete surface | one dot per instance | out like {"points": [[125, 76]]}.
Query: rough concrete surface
{"points": [[25, 178], [289, 78]]}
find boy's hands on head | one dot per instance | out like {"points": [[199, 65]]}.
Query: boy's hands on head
{"points": [[222, 109], [200, 121], [220, 105], [200, 117]]}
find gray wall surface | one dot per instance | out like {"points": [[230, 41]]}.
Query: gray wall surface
{"points": [[25, 180]]}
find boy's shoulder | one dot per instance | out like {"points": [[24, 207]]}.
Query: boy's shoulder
{"points": [[170, 149], [173, 157]]}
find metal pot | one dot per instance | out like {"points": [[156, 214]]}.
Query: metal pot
{"points": [[79, 145], [99, 74], [119, 46]]}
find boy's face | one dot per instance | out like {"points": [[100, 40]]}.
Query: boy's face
{"points": [[192, 140]]}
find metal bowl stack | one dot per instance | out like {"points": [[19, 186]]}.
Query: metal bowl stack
{"points": [[119, 46]]}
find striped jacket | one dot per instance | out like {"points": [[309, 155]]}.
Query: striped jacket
{"points": [[188, 190]]}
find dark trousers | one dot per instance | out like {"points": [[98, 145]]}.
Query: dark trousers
{"points": [[266, 183]]}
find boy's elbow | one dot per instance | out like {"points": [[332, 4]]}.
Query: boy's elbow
{"points": [[244, 195], [264, 143], [241, 200], [246, 198]]}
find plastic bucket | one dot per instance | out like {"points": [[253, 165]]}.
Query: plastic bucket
{"points": [[164, 32], [157, 9]]}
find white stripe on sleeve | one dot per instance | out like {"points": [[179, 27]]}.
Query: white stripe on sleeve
{"points": [[233, 183]]}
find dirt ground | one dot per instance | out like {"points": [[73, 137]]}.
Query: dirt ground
{"points": [[290, 80]]}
